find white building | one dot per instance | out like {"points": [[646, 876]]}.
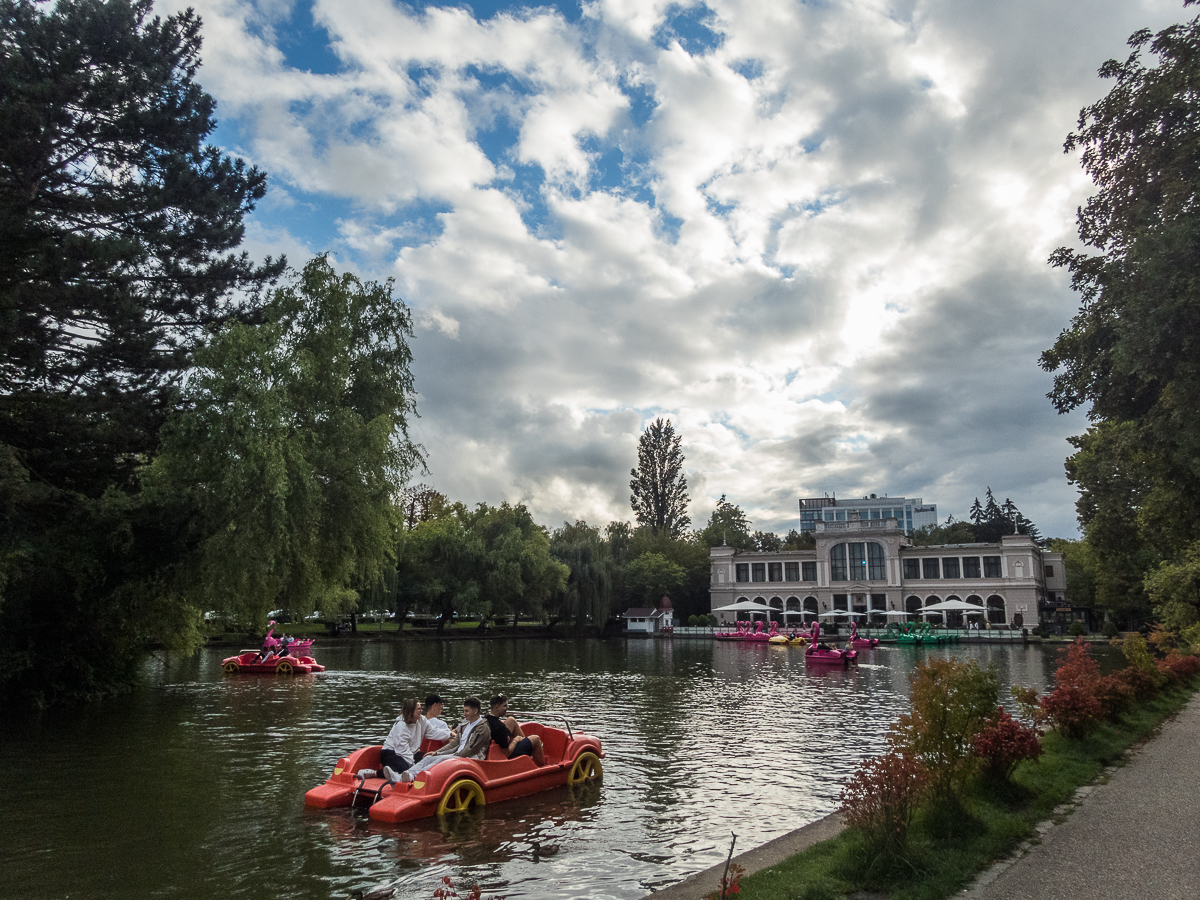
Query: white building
{"points": [[650, 621], [909, 512], [865, 564]]}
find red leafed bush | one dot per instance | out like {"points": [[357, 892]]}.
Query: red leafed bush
{"points": [[1003, 743], [731, 883], [1072, 710], [1139, 682], [447, 892], [1179, 668], [881, 797], [1114, 693]]}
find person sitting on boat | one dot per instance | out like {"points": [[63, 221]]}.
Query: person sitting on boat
{"points": [[403, 741], [508, 734], [435, 728], [470, 741], [284, 643]]}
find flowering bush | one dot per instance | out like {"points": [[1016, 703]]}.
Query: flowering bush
{"points": [[1003, 742], [881, 797]]}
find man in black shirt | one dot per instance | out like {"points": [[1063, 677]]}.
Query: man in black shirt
{"points": [[507, 733]]}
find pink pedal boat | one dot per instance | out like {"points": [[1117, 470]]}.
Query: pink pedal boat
{"points": [[818, 654], [861, 643]]}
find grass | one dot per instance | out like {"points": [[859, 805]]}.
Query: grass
{"points": [[948, 846]]}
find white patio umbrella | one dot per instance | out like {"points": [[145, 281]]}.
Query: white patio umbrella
{"points": [[953, 606], [829, 614], [745, 606], [896, 613]]}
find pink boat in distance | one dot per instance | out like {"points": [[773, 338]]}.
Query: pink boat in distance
{"points": [[823, 655], [761, 636], [859, 643]]}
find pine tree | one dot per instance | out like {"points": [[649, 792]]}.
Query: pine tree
{"points": [[976, 513], [659, 489]]}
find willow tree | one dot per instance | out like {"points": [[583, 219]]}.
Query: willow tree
{"points": [[659, 489], [293, 444]]}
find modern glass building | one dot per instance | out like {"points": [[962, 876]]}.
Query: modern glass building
{"points": [[909, 512]]}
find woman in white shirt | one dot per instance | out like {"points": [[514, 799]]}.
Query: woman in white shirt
{"points": [[403, 741]]}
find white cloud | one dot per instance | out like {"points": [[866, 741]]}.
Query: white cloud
{"points": [[817, 242]]}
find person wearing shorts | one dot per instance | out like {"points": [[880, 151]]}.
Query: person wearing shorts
{"points": [[507, 733]]}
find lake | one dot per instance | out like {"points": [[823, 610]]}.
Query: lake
{"points": [[194, 785]]}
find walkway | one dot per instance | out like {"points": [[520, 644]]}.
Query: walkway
{"points": [[1136, 837]]}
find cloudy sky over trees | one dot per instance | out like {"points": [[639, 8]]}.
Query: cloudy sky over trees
{"points": [[813, 235]]}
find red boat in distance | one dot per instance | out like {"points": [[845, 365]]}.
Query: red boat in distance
{"points": [[459, 784], [818, 654]]}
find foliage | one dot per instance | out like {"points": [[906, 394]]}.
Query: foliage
{"points": [[1174, 588], [950, 701], [117, 220], [1081, 565], [727, 525], [1077, 629], [799, 540], [1003, 742], [881, 797], [291, 444], [417, 502], [589, 593], [518, 575], [1132, 352], [1109, 629], [659, 489], [652, 575], [117, 230], [1029, 703], [1145, 675], [731, 882]]}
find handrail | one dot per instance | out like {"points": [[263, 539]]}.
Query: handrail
{"points": [[537, 717]]}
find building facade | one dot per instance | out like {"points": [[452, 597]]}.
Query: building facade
{"points": [[867, 565], [909, 512]]}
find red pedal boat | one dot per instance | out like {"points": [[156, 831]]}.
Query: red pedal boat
{"points": [[458, 784]]}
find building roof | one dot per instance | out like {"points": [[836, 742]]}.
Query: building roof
{"points": [[642, 612]]}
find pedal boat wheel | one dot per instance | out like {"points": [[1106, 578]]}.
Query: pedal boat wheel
{"points": [[283, 668], [586, 768], [231, 667], [461, 796]]}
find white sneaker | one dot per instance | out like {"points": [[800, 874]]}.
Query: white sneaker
{"points": [[391, 774], [406, 776], [365, 773]]}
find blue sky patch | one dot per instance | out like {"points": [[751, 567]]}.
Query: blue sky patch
{"points": [[304, 44], [693, 26]]}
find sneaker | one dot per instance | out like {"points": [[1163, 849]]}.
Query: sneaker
{"points": [[406, 776], [366, 773], [391, 774]]}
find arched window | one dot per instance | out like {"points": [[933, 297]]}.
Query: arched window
{"points": [[929, 601], [810, 609], [858, 561], [996, 613], [912, 604]]}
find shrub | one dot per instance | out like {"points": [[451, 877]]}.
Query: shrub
{"points": [[951, 699], [1074, 706], [881, 796], [1179, 668], [1140, 684], [1110, 630], [1003, 742], [1077, 628], [693, 621], [731, 882], [1138, 656]]}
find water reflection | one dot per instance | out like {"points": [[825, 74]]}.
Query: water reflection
{"points": [[198, 780]]}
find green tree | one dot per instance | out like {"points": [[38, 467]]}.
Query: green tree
{"points": [[292, 443], [588, 596], [1132, 353], [651, 575], [728, 525], [444, 564], [519, 575], [659, 489], [118, 224], [799, 540], [767, 542], [1081, 566]]}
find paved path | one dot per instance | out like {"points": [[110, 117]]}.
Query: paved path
{"points": [[1135, 838]]}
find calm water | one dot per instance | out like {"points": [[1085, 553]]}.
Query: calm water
{"points": [[194, 786]]}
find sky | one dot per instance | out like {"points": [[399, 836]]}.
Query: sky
{"points": [[811, 234]]}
